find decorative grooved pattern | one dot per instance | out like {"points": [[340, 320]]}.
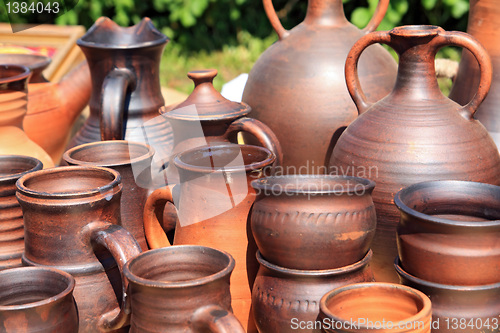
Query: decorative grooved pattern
{"points": [[264, 297]]}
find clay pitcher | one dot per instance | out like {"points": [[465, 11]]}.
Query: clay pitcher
{"points": [[484, 24], [416, 133], [297, 85]]}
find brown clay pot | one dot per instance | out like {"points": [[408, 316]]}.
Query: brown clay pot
{"points": [[37, 299], [459, 309], [379, 307], [214, 202], [449, 232], [133, 161], [12, 167], [296, 218], [13, 108], [181, 289], [52, 107], [71, 221], [297, 86], [484, 24], [416, 133], [282, 298]]}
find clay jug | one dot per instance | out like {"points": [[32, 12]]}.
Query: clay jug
{"points": [[484, 24], [52, 107], [297, 85], [13, 108], [416, 133]]}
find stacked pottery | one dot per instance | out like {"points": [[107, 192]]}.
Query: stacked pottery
{"points": [[313, 235], [448, 246]]}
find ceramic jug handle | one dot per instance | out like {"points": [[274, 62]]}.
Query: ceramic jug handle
{"points": [[464, 40], [274, 19], [215, 319], [123, 247], [377, 17], [114, 92], [155, 235]]}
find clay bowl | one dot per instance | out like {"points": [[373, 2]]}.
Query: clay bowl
{"points": [[449, 232]]}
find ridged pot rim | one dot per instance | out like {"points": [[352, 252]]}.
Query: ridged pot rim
{"points": [[38, 61], [399, 201], [34, 162], [23, 73], [315, 273]]}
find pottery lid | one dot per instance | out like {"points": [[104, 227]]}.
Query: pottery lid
{"points": [[205, 102]]}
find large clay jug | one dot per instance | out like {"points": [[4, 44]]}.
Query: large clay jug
{"points": [[484, 24], [297, 85], [416, 133]]}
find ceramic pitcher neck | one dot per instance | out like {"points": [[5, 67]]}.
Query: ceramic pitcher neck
{"points": [[325, 12]]}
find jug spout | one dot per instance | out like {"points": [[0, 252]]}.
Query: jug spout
{"points": [[74, 91]]}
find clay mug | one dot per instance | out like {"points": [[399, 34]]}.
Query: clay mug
{"points": [[133, 161], [181, 289], [376, 306], [12, 167], [38, 300], [72, 223]]}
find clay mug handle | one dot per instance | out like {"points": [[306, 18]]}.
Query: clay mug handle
{"points": [[123, 247], [115, 87], [213, 318], [155, 234]]}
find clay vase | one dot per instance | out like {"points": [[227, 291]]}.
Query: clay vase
{"points": [[133, 161], [449, 232], [416, 133], [295, 218], [37, 300], [13, 108], [52, 107], [213, 205], [71, 221], [126, 94], [297, 85], [181, 289], [459, 309], [284, 300], [484, 24], [380, 307]]}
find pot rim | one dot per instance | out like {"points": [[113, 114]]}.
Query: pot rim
{"points": [[36, 165], [24, 73]]}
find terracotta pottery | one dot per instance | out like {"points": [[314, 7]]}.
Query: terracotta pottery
{"points": [[133, 161], [284, 299], [459, 309], [297, 86], [416, 133], [213, 207], [181, 289], [484, 24], [71, 221], [380, 307], [52, 107], [38, 300], [297, 218], [12, 167], [13, 108], [126, 94], [449, 232]]}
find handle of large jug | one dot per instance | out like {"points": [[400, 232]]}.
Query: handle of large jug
{"points": [[155, 234], [214, 318], [377, 17], [123, 247], [117, 84]]}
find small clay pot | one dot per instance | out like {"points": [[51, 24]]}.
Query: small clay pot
{"points": [[380, 307], [449, 232], [282, 297]]}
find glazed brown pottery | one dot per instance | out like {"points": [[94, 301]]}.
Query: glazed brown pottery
{"points": [[213, 209], [284, 299], [133, 161], [297, 218], [13, 108], [380, 307], [416, 133], [484, 24], [459, 309], [12, 167], [297, 85], [52, 107], [449, 232], [181, 289], [71, 221], [38, 300]]}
